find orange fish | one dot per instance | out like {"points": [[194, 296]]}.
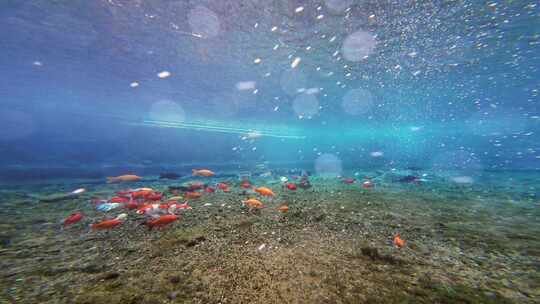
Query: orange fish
{"points": [[253, 203], [398, 241], [162, 221], [192, 195], [283, 208], [107, 224], [143, 209], [124, 178], [141, 193], [202, 172], [264, 191]]}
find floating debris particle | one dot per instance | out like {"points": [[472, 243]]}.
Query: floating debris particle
{"points": [[296, 62], [164, 74]]}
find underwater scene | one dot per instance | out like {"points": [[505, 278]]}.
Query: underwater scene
{"points": [[286, 151]]}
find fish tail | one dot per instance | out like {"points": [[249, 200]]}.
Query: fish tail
{"points": [[111, 179]]}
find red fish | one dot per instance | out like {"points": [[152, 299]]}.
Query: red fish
{"points": [[141, 194], [72, 219], [196, 186], [123, 193], [107, 224], [292, 186], [162, 221], [222, 186], [144, 208], [348, 181], [209, 190], [245, 184], [131, 205], [156, 196], [178, 206], [367, 184], [119, 199]]}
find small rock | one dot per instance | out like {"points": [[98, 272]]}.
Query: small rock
{"points": [[174, 279], [173, 295], [110, 276]]}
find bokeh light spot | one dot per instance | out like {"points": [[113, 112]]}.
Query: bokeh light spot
{"points": [[328, 165], [204, 22], [358, 45], [306, 105]]}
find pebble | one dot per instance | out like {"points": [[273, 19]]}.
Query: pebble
{"points": [[174, 279], [110, 276], [173, 295]]}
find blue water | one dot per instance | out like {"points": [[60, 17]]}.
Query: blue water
{"points": [[432, 84], [411, 119]]}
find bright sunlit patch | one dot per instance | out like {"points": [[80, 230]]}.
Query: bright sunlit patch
{"points": [[164, 74], [299, 9], [257, 60], [245, 85], [376, 154], [134, 84], [37, 63], [415, 128], [359, 45], [312, 91], [252, 135], [212, 127]]}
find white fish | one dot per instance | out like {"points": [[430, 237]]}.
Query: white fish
{"points": [[78, 191]]}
